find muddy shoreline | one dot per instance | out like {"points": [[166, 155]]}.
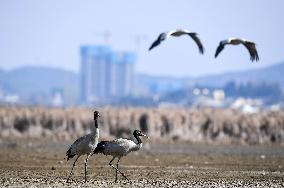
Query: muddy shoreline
{"points": [[36, 165]]}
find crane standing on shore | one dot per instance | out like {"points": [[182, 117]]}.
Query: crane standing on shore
{"points": [[84, 145], [119, 148]]}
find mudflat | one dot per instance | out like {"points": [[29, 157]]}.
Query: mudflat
{"points": [[32, 164]]}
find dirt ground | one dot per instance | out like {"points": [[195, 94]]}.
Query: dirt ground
{"points": [[24, 164]]}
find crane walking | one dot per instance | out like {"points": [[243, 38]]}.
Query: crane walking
{"points": [[84, 145], [118, 148]]}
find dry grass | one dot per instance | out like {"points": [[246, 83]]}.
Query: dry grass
{"points": [[162, 124]]}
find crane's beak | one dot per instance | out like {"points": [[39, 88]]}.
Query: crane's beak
{"points": [[145, 136]]}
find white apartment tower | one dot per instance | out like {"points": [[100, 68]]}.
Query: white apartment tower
{"points": [[105, 74]]}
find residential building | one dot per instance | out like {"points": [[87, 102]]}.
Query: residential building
{"points": [[105, 74]]}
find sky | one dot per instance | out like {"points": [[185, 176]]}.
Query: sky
{"points": [[50, 33]]}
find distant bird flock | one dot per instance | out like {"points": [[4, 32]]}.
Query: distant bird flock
{"points": [[233, 41], [89, 144]]}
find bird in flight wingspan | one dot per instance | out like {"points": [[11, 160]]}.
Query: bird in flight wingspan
{"points": [[177, 33], [236, 41]]}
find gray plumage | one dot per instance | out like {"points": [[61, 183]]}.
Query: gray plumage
{"points": [[177, 33], [119, 148], [84, 145], [236, 41]]}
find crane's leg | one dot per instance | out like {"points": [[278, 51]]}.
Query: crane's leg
{"points": [[86, 162], [116, 168], [73, 168], [110, 164]]}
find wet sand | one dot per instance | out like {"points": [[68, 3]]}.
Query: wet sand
{"points": [[184, 165]]}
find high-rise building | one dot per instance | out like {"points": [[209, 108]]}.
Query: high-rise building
{"points": [[122, 73], [105, 74]]}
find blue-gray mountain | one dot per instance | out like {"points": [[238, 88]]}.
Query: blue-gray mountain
{"points": [[270, 74], [32, 80]]}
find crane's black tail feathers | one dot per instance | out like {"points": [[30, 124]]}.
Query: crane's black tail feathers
{"points": [[100, 147], [69, 155]]}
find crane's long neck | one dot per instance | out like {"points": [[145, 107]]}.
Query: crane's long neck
{"points": [[96, 123], [139, 142], [95, 129]]}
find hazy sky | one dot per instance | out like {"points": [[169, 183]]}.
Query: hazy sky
{"points": [[49, 33]]}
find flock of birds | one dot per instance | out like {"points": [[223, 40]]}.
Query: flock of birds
{"points": [[233, 41], [89, 144]]}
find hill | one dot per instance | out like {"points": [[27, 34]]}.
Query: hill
{"points": [[32, 80], [271, 74]]}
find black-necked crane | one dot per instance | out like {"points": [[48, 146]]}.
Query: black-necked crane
{"points": [[236, 41], [177, 33], [84, 145], [118, 148]]}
